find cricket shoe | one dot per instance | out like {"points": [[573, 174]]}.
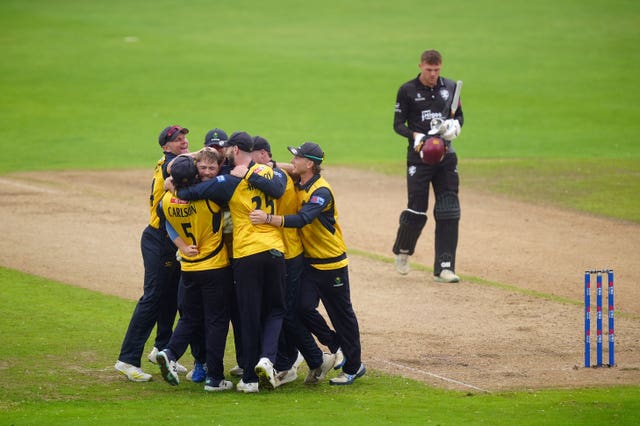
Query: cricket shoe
{"points": [[347, 379], [181, 369], [236, 371], [199, 372], [152, 355], [340, 359], [446, 276], [213, 385], [133, 373], [299, 360], [318, 374], [402, 264], [266, 374], [287, 376], [168, 368], [247, 387]]}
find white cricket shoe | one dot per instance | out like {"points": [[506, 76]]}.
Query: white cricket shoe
{"points": [[402, 264], [181, 369], [317, 374], [247, 387], [212, 385], [299, 360], [152, 355], [287, 376], [236, 371], [340, 359], [347, 379], [168, 368], [266, 373], [135, 374], [446, 276]]}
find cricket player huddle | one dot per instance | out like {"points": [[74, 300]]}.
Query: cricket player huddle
{"points": [[236, 238]]}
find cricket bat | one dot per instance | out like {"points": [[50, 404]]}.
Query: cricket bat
{"points": [[456, 98]]}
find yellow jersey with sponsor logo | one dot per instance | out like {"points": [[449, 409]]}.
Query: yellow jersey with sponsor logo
{"points": [[198, 223], [322, 239], [248, 238]]}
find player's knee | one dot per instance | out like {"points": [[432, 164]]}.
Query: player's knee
{"points": [[413, 219], [447, 206], [411, 224]]}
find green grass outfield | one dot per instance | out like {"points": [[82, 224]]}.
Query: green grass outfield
{"points": [[550, 93], [550, 99], [56, 367]]}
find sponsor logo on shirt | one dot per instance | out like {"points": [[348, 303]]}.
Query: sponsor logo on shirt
{"points": [[428, 115]]}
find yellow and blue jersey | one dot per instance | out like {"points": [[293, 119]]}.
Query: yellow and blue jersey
{"points": [[157, 189], [198, 223], [243, 197], [288, 204], [317, 219]]}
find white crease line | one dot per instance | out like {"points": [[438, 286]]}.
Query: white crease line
{"points": [[27, 186], [446, 379]]}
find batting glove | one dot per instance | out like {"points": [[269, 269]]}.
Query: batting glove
{"points": [[437, 126], [418, 140], [452, 129]]}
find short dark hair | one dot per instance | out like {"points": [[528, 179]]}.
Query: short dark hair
{"points": [[431, 57]]}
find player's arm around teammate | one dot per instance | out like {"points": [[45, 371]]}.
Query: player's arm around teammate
{"points": [[258, 263], [158, 303], [325, 253], [207, 278], [295, 335]]}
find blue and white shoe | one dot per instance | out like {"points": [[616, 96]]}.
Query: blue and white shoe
{"points": [[212, 385], [347, 379], [199, 372]]}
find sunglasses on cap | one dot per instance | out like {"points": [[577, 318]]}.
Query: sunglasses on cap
{"points": [[172, 131]]}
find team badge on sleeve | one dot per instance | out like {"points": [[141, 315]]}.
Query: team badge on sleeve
{"points": [[317, 200]]}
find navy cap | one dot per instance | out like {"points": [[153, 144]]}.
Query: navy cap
{"points": [[170, 134], [240, 139], [215, 137], [183, 171], [261, 143], [309, 150]]}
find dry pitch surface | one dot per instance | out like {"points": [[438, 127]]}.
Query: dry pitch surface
{"points": [[83, 228]]}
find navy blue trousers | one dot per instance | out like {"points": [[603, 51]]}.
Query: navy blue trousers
{"points": [[333, 288], [158, 303], [259, 281], [295, 336], [205, 300]]}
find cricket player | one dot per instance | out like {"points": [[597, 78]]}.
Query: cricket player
{"points": [[326, 273], [423, 107], [161, 270]]}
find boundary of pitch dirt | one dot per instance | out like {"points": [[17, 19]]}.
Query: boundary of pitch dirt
{"points": [[480, 281]]}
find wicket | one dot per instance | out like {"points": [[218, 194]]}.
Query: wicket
{"points": [[587, 317]]}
